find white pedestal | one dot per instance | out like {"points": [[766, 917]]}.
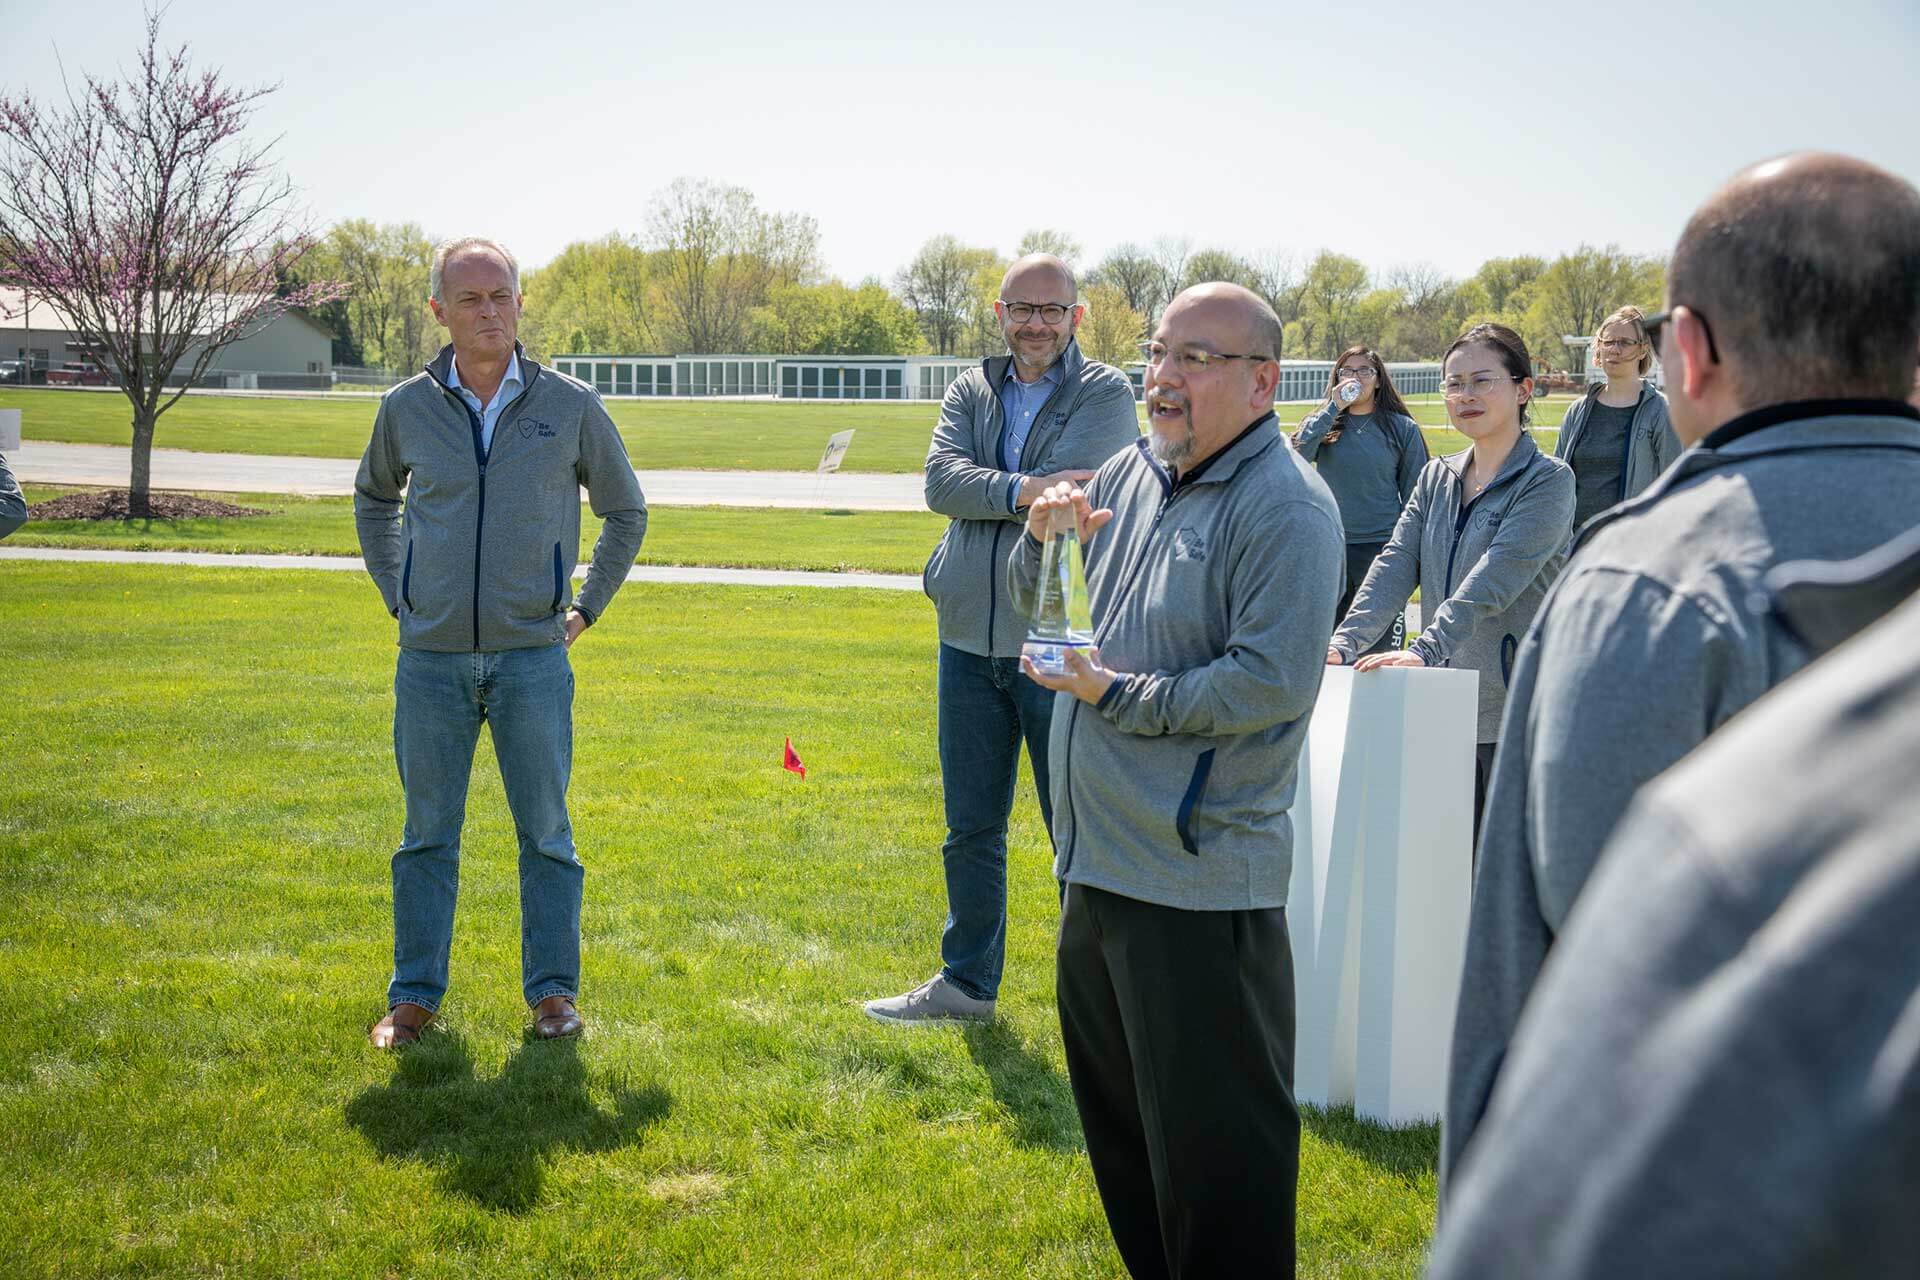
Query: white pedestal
{"points": [[1382, 871], [9, 430]]}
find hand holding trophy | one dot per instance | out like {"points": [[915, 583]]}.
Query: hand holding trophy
{"points": [[1062, 615]]}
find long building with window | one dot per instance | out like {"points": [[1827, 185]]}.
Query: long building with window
{"points": [[1307, 379], [785, 377], [875, 377]]}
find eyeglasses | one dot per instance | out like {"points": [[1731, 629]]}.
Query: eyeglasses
{"points": [[1655, 323], [1618, 344], [1477, 386], [1192, 360], [1364, 371], [1049, 312]]}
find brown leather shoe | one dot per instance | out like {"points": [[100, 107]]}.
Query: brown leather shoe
{"points": [[401, 1026], [555, 1018]]}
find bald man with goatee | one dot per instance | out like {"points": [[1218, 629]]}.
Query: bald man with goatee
{"points": [[1792, 318], [1037, 415], [1215, 556]]}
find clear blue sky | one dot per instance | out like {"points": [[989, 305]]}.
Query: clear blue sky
{"points": [[1396, 132]]}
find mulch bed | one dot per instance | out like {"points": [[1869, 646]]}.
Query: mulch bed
{"points": [[111, 504]]}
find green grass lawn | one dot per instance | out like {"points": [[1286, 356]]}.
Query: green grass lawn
{"points": [[660, 434], [730, 537], [195, 824]]}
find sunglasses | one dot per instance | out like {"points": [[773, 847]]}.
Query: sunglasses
{"points": [[1653, 324]]}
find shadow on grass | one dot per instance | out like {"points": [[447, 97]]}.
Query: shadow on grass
{"points": [[1408, 1151], [491, 1140], [1026, 1085]]}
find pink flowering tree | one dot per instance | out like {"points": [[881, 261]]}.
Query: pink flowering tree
{"points": [[139, 208]]}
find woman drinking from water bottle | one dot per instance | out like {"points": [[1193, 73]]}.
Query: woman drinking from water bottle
{"points": [[1369, 450], [1483, 536]]}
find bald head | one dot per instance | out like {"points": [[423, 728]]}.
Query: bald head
{"points": [[1254, 321], [1040, 276], [1807, 269]]}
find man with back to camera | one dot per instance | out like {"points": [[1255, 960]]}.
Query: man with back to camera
{"points": [[491, 451], [1022, 421], [1213, 568], [1793, 317]]}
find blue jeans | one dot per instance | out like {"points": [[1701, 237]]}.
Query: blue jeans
{"points": [[987, 705], [440, 700]]}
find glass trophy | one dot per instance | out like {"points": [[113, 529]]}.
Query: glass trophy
{"points": [[1062, 615]]}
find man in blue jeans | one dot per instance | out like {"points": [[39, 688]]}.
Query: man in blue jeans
{"points": [[1040, 414], [490, 452]]}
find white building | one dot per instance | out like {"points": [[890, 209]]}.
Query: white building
{"points": [[784, 377]]}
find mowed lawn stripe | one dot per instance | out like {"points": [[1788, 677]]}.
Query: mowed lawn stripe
{"points": [[827, 540], [195, 829], [696, 435]]}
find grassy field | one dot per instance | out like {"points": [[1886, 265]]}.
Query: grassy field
{"points": [[195, 834], [728, 537], [660, 434]]}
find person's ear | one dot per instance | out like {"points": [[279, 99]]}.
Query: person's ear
{"points": [[439, 310], [1689, 342], [1266, 382]]}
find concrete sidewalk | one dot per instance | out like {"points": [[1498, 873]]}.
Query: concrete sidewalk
{"points": [[352, 564], [108, 466]]}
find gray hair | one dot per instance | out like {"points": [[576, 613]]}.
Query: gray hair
{"points": [[448, 248]]}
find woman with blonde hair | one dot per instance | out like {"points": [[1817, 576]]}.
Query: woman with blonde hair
{"points": [[1617, 437], [1369, 450]]}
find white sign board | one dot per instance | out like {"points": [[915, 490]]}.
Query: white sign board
{"points": [[836, 449], [1382, 872], [9, 430]]}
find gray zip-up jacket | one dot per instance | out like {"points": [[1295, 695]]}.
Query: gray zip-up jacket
{"points": [[483, 557], [1717, 1076], [1090, 415], [1216, 595], [1651, 444], [1371, 468], [1480, 584], [1657, 634], [13, 507]]}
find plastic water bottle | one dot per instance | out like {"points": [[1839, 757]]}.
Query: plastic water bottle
{"points": [[1347, 392]]}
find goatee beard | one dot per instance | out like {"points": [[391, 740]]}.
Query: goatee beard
{"points": [[1171, 454]]}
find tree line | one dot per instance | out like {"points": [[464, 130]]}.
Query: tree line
{"points": [[715, 272]]}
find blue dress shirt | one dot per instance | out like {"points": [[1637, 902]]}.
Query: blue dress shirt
{"points": [[1022, 402], [490, 411]]}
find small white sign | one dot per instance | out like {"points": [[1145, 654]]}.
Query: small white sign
{"points": [[836, 449], [10, 430]]}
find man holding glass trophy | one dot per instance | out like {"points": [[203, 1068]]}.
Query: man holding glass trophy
{"points": [[1192, 650]]}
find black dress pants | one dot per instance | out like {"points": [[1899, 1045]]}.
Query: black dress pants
{"points": [[1360, 558], [1179, 1044]]}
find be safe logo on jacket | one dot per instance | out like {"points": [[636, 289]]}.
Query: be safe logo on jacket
{"points": [[1189, 544], [528, 426]]}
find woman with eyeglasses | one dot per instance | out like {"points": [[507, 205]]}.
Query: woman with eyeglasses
{"points": [[1617, 437], [1483, 536], [1369, 450]]}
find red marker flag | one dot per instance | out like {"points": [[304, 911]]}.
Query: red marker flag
{"points": [[792, 763]]}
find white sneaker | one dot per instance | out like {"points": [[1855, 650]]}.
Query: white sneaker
{"points": [[935, 1000]]}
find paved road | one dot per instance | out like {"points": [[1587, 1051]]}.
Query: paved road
{"points": [[108, 465], [352, 564]]}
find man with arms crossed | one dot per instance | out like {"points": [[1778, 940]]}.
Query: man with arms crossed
{"points": [[491, 451], [1040, 414], [1793, 315], [1213, 584]]}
